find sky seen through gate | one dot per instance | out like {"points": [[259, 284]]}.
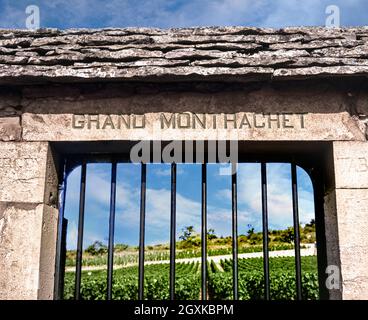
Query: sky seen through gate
{"points": [[188, 201]]}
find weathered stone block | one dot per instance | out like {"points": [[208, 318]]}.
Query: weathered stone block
{"points": [[351, 164], [48, 253], [231, 126], [352, 209], [332, 239], [23, 171], [10, 129], [326, 114], [20, 239]]}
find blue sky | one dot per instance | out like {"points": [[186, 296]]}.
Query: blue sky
{"points": [[181, 13], [188, 200]]}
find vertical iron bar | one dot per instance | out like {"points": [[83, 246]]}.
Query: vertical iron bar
{"points": [[265, 231], [82, 199], [59, 280], [204, 232], [141, 232], [172, 231], [317, 178], [235, 229], [110, 263], [63, 257], [298, 270]]}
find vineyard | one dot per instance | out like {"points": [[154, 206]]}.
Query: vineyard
{"points": [[125, 285], [187, 286], [160, 255], [188, 246], [251, 279]]}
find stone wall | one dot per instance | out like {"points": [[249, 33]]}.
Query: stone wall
{"points": [[351, 200], [27, 220], [33, 117]]}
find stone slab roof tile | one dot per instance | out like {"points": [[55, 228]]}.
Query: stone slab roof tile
{"points": [[187, 54]]}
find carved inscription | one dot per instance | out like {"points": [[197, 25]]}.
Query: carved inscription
{"points": [[354, 164], [108, 121], [187, 120]]}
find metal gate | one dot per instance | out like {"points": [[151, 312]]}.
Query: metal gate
{"points": [[72, 162]]}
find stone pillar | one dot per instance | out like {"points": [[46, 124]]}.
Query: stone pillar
{"points": [[28, 220], [350, 201]]}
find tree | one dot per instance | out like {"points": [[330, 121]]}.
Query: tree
{"points": [[96, 248], [187, 233], [312, 223], [250, 231], [211, 234], [287, 235]]}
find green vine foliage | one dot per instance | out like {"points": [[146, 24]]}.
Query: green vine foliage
{"points": [[125, 283], [187, 284], [251, 286]]}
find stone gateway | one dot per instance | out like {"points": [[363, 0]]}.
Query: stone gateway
{"points": [[293, 93]]}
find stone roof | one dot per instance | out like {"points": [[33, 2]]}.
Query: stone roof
{"points": [[209, 54]]}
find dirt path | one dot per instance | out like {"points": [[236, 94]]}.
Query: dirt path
{"points": [[308, 251]]}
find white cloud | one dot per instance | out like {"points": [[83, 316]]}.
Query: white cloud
{"points": [[224, 194], [166, 171], [278, 192], [72, 235]]}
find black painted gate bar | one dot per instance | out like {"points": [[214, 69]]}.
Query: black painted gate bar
{"points": [[266, 266], [110, 258], [234, 206], [204, 234], [173, 231], [82, 200], [61, 240], [142, 232], [298, 269]]}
